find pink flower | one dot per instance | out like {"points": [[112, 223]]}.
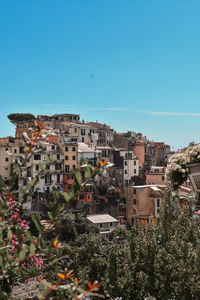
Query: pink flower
{"points": [[15, 216]]}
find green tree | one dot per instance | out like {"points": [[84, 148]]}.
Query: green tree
{"points": [[20, 118]]}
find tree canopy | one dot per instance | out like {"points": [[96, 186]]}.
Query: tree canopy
{"points": [[20, 118]]}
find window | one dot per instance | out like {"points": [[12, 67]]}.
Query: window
{"points": [[135, 171], [58, 156], [67, 168], [6, 149], [125, 163], [21, 149], [48, 179], [82, 131], [74, 166], [36, 167], [82, 140], [134, 201], [24, 182], [103, 153], [163, 178], [158, 202], [82, 196], [111, 224], [58, 178], [73, 157], [88, 197], [6, 159], [52, 147], [73, 149], [57, 167], [134, 191], [125, 171], [37, 157], [66, 149], [66, 157], [74, 140], [134, 162], [100, 225], [15, 150], [75, 130]]}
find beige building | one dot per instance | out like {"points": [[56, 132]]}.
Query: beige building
{"points": [[156, 175], [70, 152], [143, 204], [105, 133], [10, 151]]}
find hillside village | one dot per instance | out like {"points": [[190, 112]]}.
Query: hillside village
{"points": [[132, 188]]}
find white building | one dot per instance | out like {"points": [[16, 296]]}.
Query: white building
{"points": [[88, 153], [105, 223]]}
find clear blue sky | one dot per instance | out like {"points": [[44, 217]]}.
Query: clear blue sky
{"points": [[134, 64]]}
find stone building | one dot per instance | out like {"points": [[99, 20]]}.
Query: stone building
{"points": [[105, 133], [143, 204], [156, 175]]}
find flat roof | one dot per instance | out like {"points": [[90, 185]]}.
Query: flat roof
{"points": [[146, 186], [155, 188], [104, 147], [105, 218], [82, 147], [156, 167]]}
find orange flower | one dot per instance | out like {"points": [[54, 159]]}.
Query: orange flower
{"points": [[56, 245], [62, 276], [102, 163], [52, 287], [69, 275], [76, 281], [93, 286]]}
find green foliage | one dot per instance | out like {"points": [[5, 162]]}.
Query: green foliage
{"points": [[22, 118]]}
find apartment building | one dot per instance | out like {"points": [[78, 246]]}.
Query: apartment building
{"points": [[162, 153], [70, 153], [53, 176], [105, 153], [88, 153], [10, 151], [105, 133], [128, 163], [156, 175], [51, 120], [143, 204]]}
